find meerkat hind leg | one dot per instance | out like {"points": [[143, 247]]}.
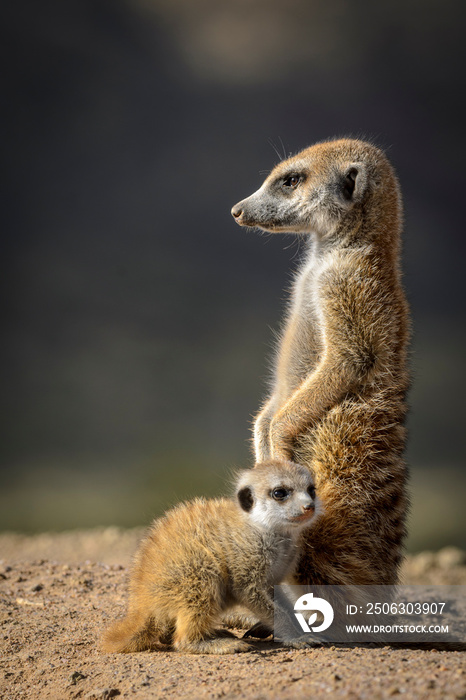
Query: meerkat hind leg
{"points": [[195, 634], [239, 618]]}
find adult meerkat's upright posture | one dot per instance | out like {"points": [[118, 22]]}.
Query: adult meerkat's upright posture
{"points": [[338, 397], [205, 557]]}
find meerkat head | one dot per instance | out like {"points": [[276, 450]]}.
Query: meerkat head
{"points": [[315, 189], [278, 495]]}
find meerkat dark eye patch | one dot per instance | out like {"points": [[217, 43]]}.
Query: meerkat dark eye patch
{"points": [[349, 183], [312, 492], [245, 498]]}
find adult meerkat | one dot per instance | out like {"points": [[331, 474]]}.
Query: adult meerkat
{"points": [[205, 557], [337, 402]]}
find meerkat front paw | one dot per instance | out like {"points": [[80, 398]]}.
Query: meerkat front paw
{"points": [[217, 645], [302, 642], [239, 619]]}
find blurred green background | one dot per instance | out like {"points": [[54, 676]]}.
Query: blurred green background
{"points": [[137, 316]]}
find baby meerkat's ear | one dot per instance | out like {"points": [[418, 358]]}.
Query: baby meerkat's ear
{"points": [[245, 498], [353, 182]]}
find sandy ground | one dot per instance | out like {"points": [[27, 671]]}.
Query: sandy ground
{"points": [[58, 592]]}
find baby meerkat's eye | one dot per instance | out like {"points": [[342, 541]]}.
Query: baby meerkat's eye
{"points": [[312, 492], [280, 494], [292, 181]]}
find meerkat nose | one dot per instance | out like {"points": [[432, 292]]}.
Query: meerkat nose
{"points": [[308, 506], [236, 211]]}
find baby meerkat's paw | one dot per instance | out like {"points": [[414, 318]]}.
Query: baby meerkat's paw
{"points": [[239, 619], [302, 642], [218, 645]]}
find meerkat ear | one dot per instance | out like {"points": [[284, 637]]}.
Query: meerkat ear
{"points": [[245, 498], [353, 182]]}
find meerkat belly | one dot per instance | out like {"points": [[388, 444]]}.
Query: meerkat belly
{"points": [[302, 342]]}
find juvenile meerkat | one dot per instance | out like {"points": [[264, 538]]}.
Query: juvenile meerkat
{"points": [[206, 556], [337, 402]]}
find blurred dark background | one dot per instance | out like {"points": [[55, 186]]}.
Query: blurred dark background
{"points": [[137, 316]]}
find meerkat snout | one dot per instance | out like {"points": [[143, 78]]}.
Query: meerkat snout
{"points": [[308, 509], [237, 211]]}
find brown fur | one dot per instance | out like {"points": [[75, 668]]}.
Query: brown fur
{"points": [[205, 557], [338, 397]]}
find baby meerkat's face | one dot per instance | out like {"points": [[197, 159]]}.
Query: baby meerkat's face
{"points": [[278, 496]]}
